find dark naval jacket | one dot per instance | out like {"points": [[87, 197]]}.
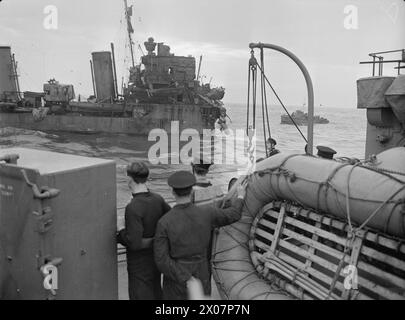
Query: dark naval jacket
{"points": [[181, 242]]}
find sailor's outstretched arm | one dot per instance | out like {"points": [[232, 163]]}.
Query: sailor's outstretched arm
{"points": [[221, 217]]}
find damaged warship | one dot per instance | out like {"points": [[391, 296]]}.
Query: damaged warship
{"points": [[161, 89]]}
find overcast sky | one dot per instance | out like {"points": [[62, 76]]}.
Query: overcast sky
{"points": [[220, 30]]}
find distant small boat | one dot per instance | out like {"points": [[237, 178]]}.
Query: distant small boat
{"points": [[301, 118]]}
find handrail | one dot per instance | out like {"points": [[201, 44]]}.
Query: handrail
{"points": [[378, 60], [384, 52], [310, 88]]}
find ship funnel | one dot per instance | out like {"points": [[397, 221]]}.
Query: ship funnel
{"points": [[395, 95], [103, 75], [8, 85]]}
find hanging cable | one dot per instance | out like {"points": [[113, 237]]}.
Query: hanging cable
{"points": [[282, 104], [254, 83], [248, 102], [262, 84], [264, 103], [253, 68], [265, 98]]}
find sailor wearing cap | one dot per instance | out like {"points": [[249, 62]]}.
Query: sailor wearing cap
{"points": [[271, 147], [183, 236], [141, 217], [204, 192], [201, 167]]}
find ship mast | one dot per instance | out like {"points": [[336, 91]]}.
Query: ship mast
{"points": [[15, 75], [130, 29]]}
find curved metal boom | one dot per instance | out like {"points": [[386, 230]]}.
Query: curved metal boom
{"points": [[310, 88]]}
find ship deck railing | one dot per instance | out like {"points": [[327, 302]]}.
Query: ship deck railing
{"points": [[378, 60]]}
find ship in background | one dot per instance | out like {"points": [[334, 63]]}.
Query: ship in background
{"points": [[162, 88], [300, 118]]}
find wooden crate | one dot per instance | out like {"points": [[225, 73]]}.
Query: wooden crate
{"points": [[315, 256]]}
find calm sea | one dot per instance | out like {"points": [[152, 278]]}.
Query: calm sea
{"points": [[346, 133]]}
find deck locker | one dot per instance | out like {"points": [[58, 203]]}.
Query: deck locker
{"points": [[57, 216]]}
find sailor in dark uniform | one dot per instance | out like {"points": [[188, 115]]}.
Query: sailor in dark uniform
{"points": [[183, 236], [201, 167], [141, 217], [271, 147], [204, 192]]}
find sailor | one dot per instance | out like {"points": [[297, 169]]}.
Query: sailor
{"points": [[271, 147], [203, 188], [201, 167], [141, 217], [203, 193], [183, 236], [221, 122], [325, 152]]}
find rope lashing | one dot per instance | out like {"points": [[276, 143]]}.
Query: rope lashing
{"points": [[339, 268], [349, 220], [267, 261], [380, 207]]}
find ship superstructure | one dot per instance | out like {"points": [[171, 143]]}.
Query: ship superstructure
{"points": [[162, 88]]}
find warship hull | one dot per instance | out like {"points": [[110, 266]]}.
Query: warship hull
{"points": [[140, 120]]}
